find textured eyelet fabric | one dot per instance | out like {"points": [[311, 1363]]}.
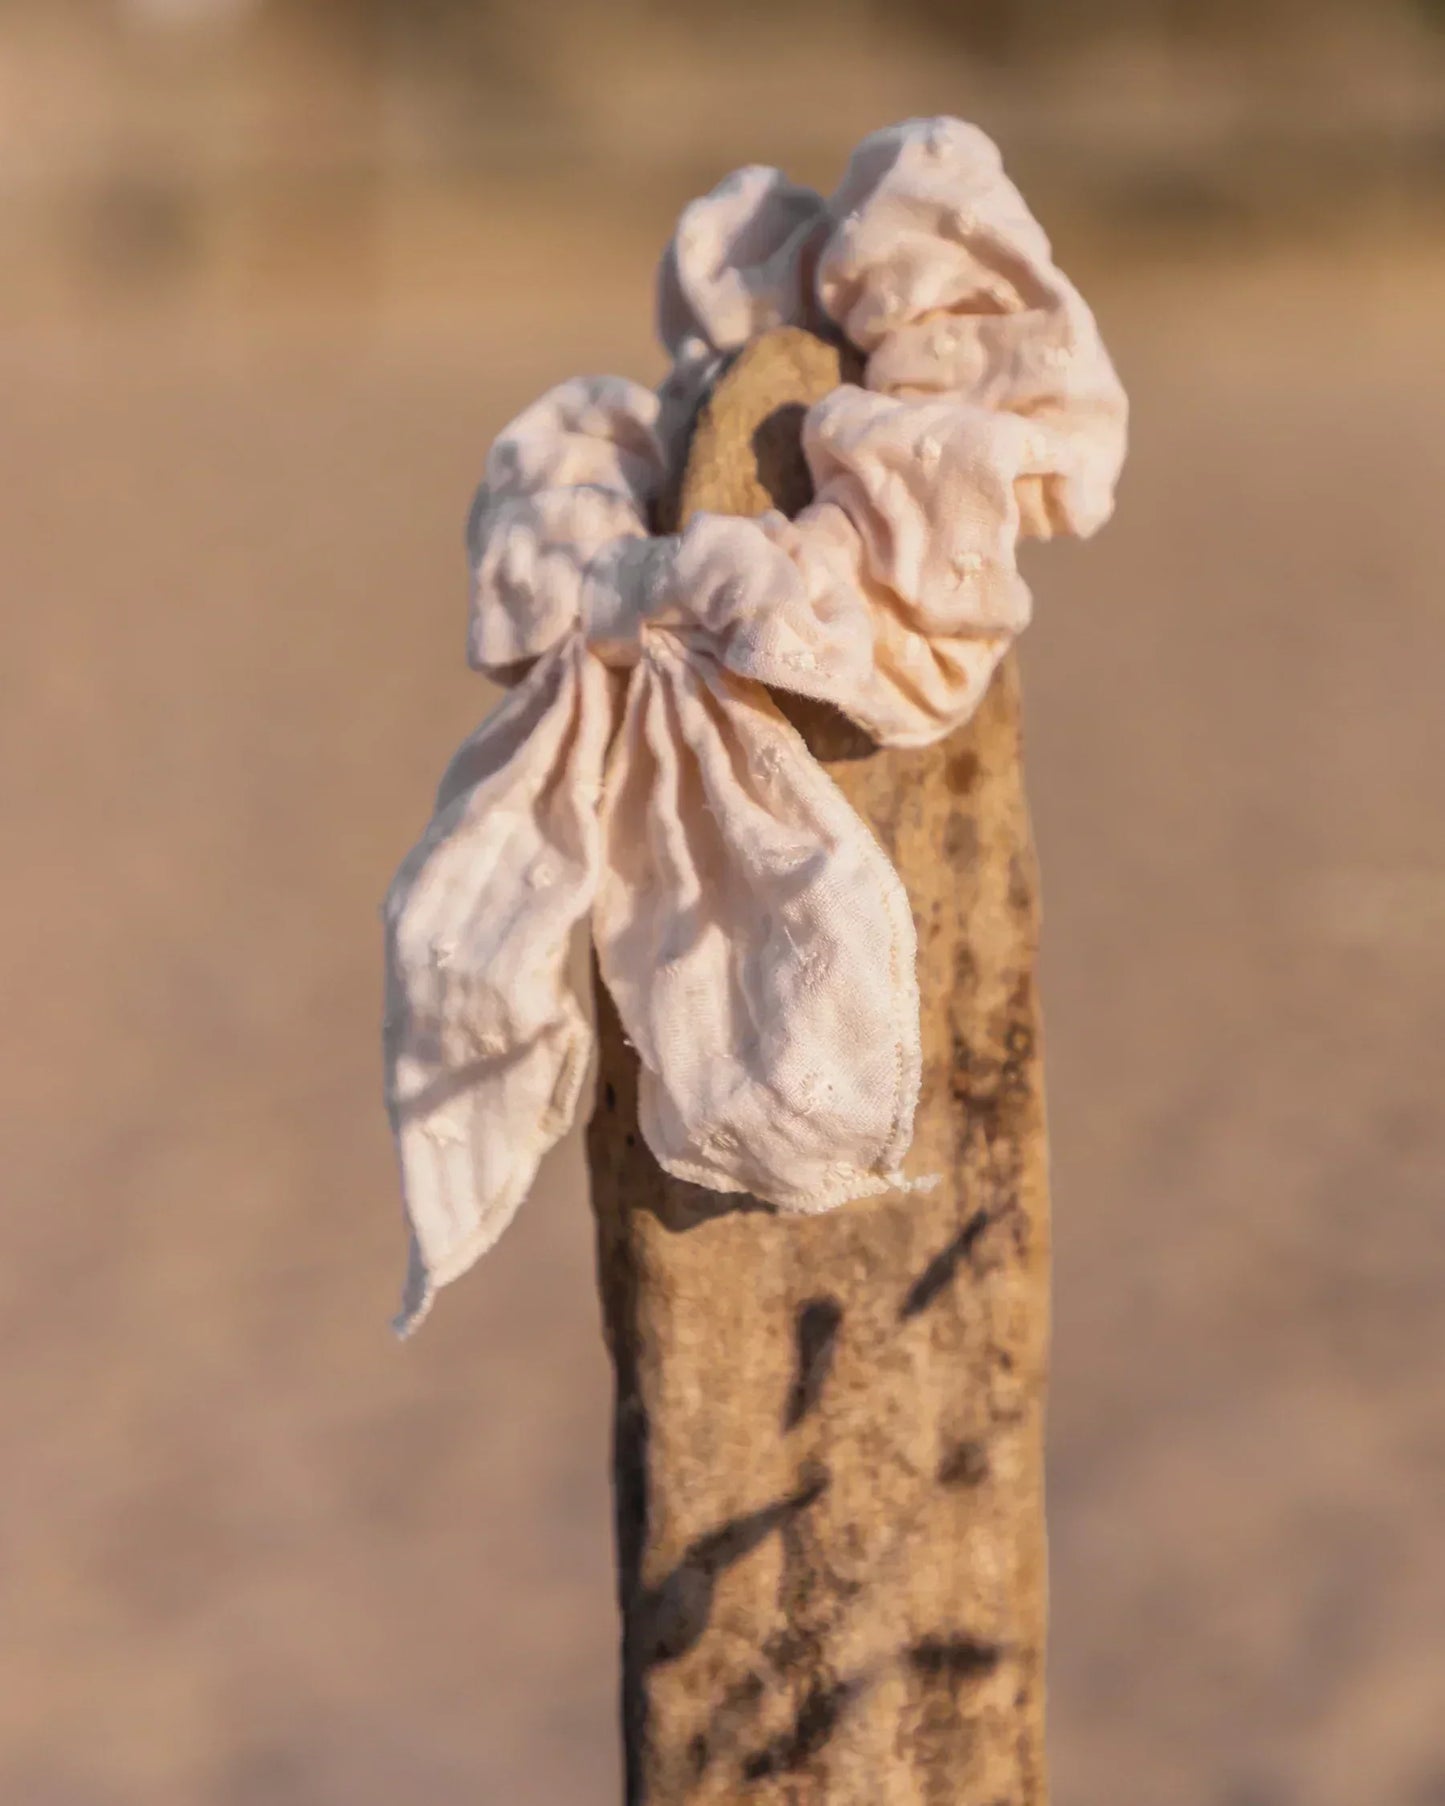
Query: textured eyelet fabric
{"points": [[639, 773]]}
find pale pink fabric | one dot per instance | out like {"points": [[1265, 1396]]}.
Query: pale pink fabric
{"points": [[756, 941]]}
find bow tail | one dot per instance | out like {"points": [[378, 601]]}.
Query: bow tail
{"points": [[486, 1039], [758, 944]]}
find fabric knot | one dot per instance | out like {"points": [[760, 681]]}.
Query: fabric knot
{"points": [[626, 588]]}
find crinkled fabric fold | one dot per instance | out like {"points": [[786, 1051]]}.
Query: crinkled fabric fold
{"points": [[641, 772], [486, 1039], [737, 890], [928, 261]]}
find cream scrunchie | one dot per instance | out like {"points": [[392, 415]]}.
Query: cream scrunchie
{"points": [[640, 771]]}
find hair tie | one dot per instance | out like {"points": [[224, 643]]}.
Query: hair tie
{"points": [[754, 937]]}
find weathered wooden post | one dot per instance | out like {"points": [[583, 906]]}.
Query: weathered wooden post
{"points": [[828, 1423], [828, 1429]]}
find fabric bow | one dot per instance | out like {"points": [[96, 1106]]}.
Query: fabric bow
{"points": [[640, 771]]}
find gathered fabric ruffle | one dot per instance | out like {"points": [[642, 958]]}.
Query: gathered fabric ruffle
{"points": [[756, 941]]}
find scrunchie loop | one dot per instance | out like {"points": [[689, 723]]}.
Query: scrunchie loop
{"points": [[755, 939]]}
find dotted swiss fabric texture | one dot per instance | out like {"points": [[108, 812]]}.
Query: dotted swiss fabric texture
{"points": [[757, 942]]}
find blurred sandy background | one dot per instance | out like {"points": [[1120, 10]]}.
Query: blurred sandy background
{"points": [[270, 279]]}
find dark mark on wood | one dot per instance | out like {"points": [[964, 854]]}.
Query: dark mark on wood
{"points": [[782, 468], [954, 1659], [961, 770], [936, 1276], [960, 839], [818, 1717], [965, 1464], [671, 1616], [817, 1335], [739, 1703]]}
